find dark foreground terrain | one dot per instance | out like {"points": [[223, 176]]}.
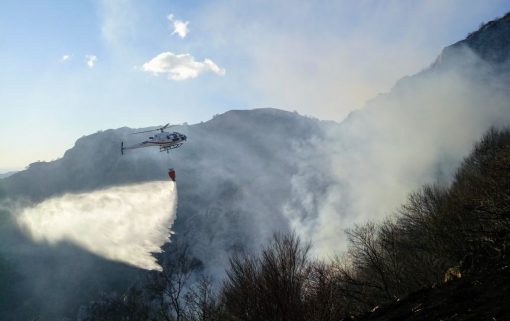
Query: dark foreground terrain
{"points": [[482, 296]]}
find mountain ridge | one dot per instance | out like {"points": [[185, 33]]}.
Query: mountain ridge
{"points": [[245, 174]]}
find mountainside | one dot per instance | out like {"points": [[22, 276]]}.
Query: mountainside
{"points": [[415, 134], [235, 164], [233, 179], [246, 174], [258, 132], [7, 174], [491, 43]]}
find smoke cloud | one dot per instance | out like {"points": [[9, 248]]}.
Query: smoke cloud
{"points": [[417, 134], [124, 223]]}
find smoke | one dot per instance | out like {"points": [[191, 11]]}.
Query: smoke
{"points": [[247, 174], [417, 134], [125, 223], [328, 58]]}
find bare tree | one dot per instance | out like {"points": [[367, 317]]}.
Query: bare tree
{"points": [[324, 299], [269, 287], [201, 302], [168, 287]]}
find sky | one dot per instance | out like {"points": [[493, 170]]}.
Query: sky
{"points": [[72, 68]]}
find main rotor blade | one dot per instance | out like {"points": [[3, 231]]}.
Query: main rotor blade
{"points": [[153, 130], [163, 128], [145, 131]]}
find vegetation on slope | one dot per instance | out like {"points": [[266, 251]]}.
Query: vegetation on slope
{"points": [[441, 246]]}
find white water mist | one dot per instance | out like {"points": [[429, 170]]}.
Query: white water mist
{"points": [[125, 223]]}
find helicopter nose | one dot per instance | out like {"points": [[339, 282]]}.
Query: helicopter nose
{"points": [[183, 137]]}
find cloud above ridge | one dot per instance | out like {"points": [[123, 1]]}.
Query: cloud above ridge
{"points": [[180, 66], [91, 60], [65, 58], [180, 26]]}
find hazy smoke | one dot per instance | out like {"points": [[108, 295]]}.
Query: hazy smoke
{"points": [[417, 134], [125, 223]]}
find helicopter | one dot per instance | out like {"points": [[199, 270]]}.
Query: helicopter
{"points": [[164, 140]]}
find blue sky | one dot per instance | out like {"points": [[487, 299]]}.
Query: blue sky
{"points": [[320, 58]]}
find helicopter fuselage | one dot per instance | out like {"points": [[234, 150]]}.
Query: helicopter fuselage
{"points": [[164, 140]]}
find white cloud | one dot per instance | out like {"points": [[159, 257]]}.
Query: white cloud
{"points": [[180, 27], [91, 60], [180, 66], [65, 58]]}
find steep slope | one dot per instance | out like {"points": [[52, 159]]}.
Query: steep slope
{"points": [[232, 179], [244, 174], [491, 43], [235, 164], [7, 174], [262, 133], [416, 134]]}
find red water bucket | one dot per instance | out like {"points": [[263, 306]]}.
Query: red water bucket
{"points": [[171, 174]]}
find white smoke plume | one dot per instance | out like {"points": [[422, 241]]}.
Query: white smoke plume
{"points": [[125, 223], [416, 134]]}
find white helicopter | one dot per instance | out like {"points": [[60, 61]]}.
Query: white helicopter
{"points": [[164, 140]]}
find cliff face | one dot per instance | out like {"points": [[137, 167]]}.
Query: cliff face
{"points": [[491, 42]]}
